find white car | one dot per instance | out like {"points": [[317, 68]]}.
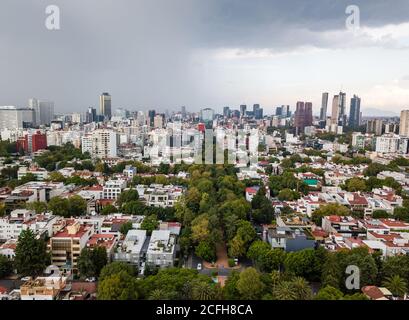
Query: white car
{"points": [[199, 266], [25, 278], [92, 279]]}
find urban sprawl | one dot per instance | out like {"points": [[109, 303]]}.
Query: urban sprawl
{"points": [[245, 204]]}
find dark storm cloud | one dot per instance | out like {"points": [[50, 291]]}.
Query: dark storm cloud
{"points": [[141, 51]]}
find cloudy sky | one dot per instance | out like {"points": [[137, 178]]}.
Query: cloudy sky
{"points": [[204, 53]]}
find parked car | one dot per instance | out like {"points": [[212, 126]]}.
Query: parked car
{"points": [[25, 279], [92, 279]]}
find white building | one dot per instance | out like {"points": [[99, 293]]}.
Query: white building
{"points": [[161, 249], [387, 143], [113, 188], [101, 144], [12, 117], [130, 251]]}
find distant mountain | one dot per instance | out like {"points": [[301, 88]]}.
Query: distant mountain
{"points": [[373, 112]]}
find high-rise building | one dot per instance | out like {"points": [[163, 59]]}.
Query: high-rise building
{"points": [[335, 110], [342, 117], [44, 111], [158, 121], [32, 142], [257, 111], [183, 112], [151, 117], [12, 117], [324, 106], [404, 123], [101, 143], [91, 115], [355, 112], [374, 126], [243, 109], [226, 112], [302, 116], [105, 101]]}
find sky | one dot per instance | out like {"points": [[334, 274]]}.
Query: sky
{"points": [[164, 54]]}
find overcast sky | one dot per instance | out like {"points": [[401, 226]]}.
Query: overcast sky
{"points": [[163, 54]]}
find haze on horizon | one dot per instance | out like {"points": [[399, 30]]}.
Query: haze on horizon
{"points": [[165, 54]]}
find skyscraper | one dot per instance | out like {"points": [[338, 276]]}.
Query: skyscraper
{"points": [[355, 112], [243, 108], [257, 111], [44, 111], [226, 112], [151, 117], [404, 123], [342, 117], [105, 105], [335, 110], [302, 116], [324, 106], [91, 115]]}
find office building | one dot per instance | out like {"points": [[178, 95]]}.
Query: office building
{"points": [[207, 117], [324, 106], [12, 117], [151, 117], [91, 115], [404, 123], [374, 126], [243, 109], [302, 116], [335, 110], [105, 101], [257, 111], [44, 111], [158, 121], [226, 112], [355, 112]]}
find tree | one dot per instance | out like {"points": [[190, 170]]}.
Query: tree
{"points": [[264, 257], [200, 228], [355, 184], [302, 288], [328, 210], [6, 266], [201, 290], [127, 196], [304, 263], [118, 286], [85, 263], [329, 293], [149, 224], [59, 207], [206, 250], [285, 291], [91, 261], [115, 268], [31, 254], [230, 290], [108, 209], [380, 214], [288, 195], [38, 206], [56, 176], [249, 285], [125, 227], [132, 207], [396, 285], [77, 206], [158, 294]]}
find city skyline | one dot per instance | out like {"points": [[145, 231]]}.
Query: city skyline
{"points": [[165, 55]]}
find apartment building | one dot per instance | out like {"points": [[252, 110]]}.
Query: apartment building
{"points": [[161, 250], [66, 245]]}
